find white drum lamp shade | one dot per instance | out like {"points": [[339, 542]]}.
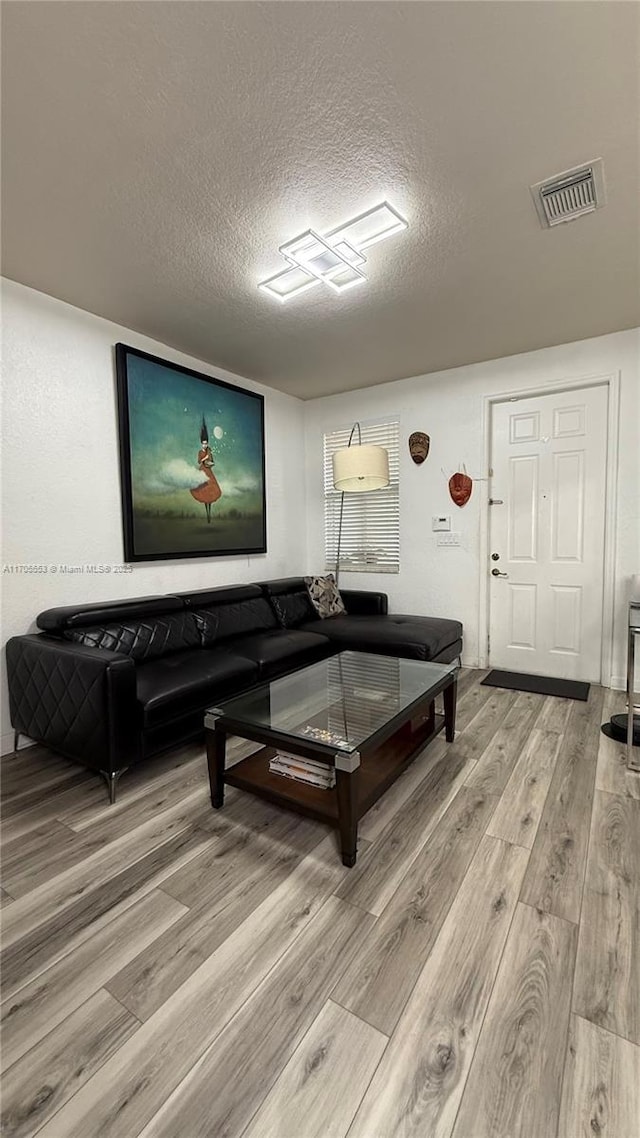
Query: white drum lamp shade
{"points": [[360, 468]]}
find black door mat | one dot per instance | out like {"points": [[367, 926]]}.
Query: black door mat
{"points": [[541, 685]]}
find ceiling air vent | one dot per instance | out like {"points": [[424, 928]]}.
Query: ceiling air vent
{"points": [[569, 195]]}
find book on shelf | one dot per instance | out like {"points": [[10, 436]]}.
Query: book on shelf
{"points": [[303, 770]]}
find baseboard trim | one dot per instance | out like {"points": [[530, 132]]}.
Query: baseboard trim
{"points": [[6, 743]]}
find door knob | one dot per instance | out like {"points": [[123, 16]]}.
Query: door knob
{"points": [[497, 573]]}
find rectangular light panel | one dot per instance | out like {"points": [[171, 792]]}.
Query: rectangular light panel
{"points": [[288, 283], [335, 259], [374, 225]]}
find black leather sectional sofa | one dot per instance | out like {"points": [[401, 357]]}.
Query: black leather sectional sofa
{"points": [[112, 684]]}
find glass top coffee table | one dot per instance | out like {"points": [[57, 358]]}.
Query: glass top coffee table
{"points": [[362, 716]]}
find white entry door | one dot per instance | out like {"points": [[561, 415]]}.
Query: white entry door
{"points": [[546, 533]]}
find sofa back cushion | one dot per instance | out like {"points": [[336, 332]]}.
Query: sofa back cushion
{"points": [[217, 622], [290, 601], [293, 609], [141, 638], [94, 615]]}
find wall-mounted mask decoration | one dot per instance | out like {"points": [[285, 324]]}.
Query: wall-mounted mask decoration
{"points": [[460, 487], [418, 446]]}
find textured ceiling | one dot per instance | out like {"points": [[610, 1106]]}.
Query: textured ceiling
{"points": [[156, 154]]}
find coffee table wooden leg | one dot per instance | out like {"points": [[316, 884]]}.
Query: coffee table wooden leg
{"points": [[347, 791], [216, 749], [450, 696]]}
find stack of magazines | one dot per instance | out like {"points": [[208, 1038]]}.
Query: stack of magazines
{"points": [[303, 770]]}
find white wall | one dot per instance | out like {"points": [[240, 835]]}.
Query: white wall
{"points": [[61, 491], [449, 407]]}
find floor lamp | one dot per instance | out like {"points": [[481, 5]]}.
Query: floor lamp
{"points": [[357, 469]]}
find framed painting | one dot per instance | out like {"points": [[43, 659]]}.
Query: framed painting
{"points": [[191, 462]]}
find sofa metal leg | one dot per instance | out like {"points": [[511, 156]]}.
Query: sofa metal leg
{"points": [[16, 740], [112, 778]]}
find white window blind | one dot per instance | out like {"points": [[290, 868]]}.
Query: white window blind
{"points": [[371, 521]]}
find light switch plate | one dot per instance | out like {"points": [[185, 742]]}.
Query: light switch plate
{"points": [[441, 522], [448, 539]]}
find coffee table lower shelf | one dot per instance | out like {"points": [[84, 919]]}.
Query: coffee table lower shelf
{"points": [[355, 791]]}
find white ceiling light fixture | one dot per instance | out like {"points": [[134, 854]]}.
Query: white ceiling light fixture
{"points": [[335, 259]]}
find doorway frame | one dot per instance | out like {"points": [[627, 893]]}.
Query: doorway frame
{"points": [[612, 381]]}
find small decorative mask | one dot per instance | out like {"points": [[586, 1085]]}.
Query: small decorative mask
{"points": [[418, 446], [460, 487]]}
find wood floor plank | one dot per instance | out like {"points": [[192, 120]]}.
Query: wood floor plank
{"points": [[137, 783], [379, 981], [518, 814], [32, 846], [42, 854], [235, 1074], [612, 774], [601, 1094], [417, 1087], [23, 786], [473, 739], [35, 1088], [333, 1064], [246, 962], [155, 974], [44, 1003], [515, 1081], [5, 898], [47, 943], [555, 873], [607, 983], [472, 701], [134, 1084], [377, 819], [79, 789], [186, 789], [51, 898], [469, 678], [478, 719], [554, 715], [31, 755], [215, 873], [496, 762], [378, 872]]}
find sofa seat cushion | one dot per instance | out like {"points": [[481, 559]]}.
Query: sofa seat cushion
{"points": [[282, 650], [413, 637], [175, 685]]}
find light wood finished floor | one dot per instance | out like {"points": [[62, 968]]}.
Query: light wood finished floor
{"points": [[177, 972]]}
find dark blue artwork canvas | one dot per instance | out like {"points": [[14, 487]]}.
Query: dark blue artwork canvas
{"points": [[192, 461]]}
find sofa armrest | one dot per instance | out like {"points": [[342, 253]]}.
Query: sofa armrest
{"points": [[78, 700], [362, 602]]}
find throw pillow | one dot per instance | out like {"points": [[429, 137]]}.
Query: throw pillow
{"points": [[325, 596]]}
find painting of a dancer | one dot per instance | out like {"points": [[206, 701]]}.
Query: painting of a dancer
{"points": [[208, 491], [192, 461]]}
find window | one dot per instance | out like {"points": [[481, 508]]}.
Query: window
{"points": [[371, 521]]}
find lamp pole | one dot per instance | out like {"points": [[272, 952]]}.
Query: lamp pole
{"points": [[356, 424]]}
